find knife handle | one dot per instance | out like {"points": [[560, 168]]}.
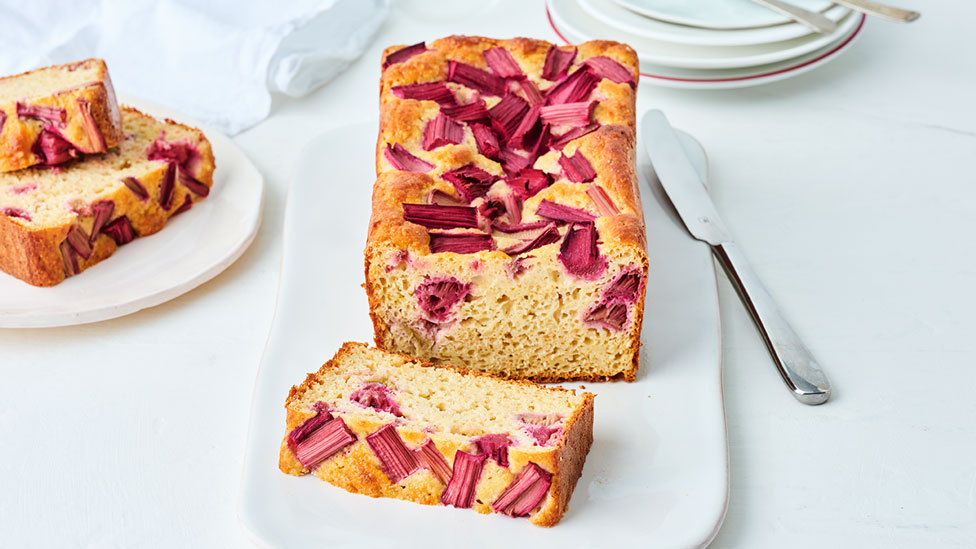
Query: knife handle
{"points": [[794, 361]]}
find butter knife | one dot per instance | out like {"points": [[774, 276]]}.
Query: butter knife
{"points": [[795, 363]]}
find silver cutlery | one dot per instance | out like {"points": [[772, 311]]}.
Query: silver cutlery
{"points": [[818, 22], [795, 363], [881, 10]]}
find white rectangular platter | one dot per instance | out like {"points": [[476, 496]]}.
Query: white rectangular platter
{"points": [[657, 473]]}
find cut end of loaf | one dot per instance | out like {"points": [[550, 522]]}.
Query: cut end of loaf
{"points": [[438, 435]]}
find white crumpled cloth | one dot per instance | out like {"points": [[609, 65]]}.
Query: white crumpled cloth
{"points": [[215, 60]]}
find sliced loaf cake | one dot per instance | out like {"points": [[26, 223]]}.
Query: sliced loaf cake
{"points": [[387, 425], [55, 114], [56, 222]]}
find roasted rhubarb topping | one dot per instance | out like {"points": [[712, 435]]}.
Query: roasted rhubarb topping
{"points": [[494, 446], [513, 162], [403, 54], [513, 208], [476, 79], [11, 211], [95, 137], [186, 205], [69, 258], [612, 315], [491, 208], [525, 492], [534, 226], [560, 212], [53, 149], [472, 112], [524, 134], [460, 243], [531, 91], [403, 160], [602, 200], [464, 479], [195, 186], [434, 216], [527, 183], [486, 140], [575, 88], [376, 396], [508, 114], [55, 115], [470, 181], [102, 211], [604, 67], [437, 298], [120, 230], [438, 196], [568, 114], [502, 63], [427, 91], [80, 241], [136, 187], [184, 153], [577, 168], [557, 63], [396, 460], [549, 235], [432, 458], [3, 120], [579, 252], [319, 437], [442, 131], [575, 133], [167, 186]]}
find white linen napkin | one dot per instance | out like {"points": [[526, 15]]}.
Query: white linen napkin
{"points": [[215, 60]]}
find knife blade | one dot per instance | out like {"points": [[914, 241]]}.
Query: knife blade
{"points": [[795, 363]]}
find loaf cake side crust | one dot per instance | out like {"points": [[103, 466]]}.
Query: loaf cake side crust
{"points": [[399, 258], [356, 468]]}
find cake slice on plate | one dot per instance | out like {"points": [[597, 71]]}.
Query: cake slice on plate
{"points": [[55, 114], [387, 425], [57, 222]]}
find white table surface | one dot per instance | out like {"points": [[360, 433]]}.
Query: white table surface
{"points": [[850, 188]]}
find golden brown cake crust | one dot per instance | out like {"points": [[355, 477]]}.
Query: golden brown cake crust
{"points": [[31, 253], [357, 470], [18, 134]]}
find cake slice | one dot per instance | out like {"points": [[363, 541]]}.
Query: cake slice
{"points": [[57, 222], [387, 425], [52, 115], [507, 234]]}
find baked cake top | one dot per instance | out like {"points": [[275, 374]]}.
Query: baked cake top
{"points": [[506, 146]]}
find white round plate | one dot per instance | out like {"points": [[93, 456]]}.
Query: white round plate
{"points": [[194, 247], [568, 18], [717, 14], [612, 14], [753, 76], [657, 474]]}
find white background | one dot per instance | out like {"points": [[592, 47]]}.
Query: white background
{"points": [[851, 188]]}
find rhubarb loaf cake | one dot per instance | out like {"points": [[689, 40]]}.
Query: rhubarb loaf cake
{"points": [[507, 234], [387, 425], [55, 114], [57, 222]]}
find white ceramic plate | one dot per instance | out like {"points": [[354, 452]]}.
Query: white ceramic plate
{"points": [[194, 247], [571, 20], [717, 14], [658, 470], [613, 15], [750, 76]]}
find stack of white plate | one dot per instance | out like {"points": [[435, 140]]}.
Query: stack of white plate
{"points": [[708, 43]]}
